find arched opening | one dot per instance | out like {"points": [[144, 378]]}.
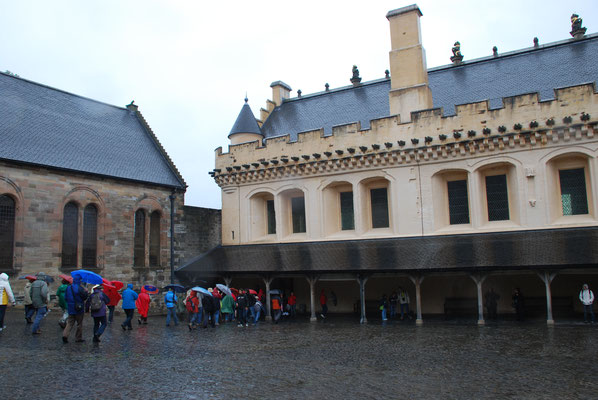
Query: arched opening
{"points": [[262, 216], [70, 234], [338, 208], [90, 236], [7, 232], [139, 239], [154, 256]]}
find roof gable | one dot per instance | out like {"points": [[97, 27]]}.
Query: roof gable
{"points": [[44, 126]]}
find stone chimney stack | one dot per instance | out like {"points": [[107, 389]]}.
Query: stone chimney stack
{"points": [[409, 74], [280, 91]]}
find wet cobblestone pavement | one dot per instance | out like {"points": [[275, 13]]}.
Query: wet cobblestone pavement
{"points": [[337, 358]]}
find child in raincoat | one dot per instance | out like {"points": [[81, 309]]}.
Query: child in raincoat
{"points": [[143, 303]]}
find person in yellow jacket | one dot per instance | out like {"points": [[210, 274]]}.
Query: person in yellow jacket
{"points": [[6, 296]]}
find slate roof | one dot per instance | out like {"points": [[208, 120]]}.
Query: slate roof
{"points": [[245, 122], [554, 248], [44, 126], [537, 69]]}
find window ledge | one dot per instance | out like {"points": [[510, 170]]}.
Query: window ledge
{"points": [[265, 239], [574, 220], [492, 225], [294, 237], [342, 234], [375, 232], [461, 228]]}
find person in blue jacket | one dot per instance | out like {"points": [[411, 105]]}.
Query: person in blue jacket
{"points": [[129, 297], [75, 296], [170, 299]]}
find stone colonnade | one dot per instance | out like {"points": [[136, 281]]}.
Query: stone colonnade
{"points": [[478, 278]]}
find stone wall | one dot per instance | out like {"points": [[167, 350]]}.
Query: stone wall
{"points": [[40, 195], [199, 231]]}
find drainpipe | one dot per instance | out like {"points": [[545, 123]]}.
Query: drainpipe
{"points": [[172, 197]]}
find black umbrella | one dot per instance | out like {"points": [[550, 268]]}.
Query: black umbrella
{"points": [[175, 287]]}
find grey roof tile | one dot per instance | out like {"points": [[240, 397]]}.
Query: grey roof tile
{"points": [[541, 70], [45, 126], [245, 122], [554, 248]]}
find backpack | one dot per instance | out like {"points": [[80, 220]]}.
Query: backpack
{"points": [[96, 302], [189, 305]]}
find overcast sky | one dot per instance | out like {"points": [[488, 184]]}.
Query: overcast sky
{"points": [[188, 64]]}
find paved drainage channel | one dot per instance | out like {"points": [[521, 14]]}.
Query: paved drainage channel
{"points": [[337, 358]]}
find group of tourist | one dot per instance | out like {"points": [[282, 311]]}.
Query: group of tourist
{"points": [[388, 306], [245, 306]]}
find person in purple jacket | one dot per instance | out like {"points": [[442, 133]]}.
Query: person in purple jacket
{"points": [[96, 303]]}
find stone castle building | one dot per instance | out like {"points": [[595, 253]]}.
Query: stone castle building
{"points": [[84, 184], [446, 181]]}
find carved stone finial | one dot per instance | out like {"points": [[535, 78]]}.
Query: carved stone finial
{"points": [[355, 79], [327, 86], [495, 51], [299, 93], [536, 42], [457, 56], [387, 74], [577, 31]]}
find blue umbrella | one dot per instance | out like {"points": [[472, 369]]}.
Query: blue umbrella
{"points": [[201, 290], [175, 287], [88, 276]]}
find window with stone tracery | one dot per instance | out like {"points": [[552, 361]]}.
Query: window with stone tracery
{"points": [[70, 235], [7, 232]]}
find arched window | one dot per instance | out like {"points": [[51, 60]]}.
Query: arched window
{"points": [[70, 232], [90, 235], [154, 256], [139, 245], [7, 231]]}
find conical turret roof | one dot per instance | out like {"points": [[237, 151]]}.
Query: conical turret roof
{"points": [[246, 122]]}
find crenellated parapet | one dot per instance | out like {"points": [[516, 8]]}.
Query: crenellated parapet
{"points": [[523, 122]]}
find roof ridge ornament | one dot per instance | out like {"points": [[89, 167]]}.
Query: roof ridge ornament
{"points": [[577, 31], [457, 57], [355, 79]]}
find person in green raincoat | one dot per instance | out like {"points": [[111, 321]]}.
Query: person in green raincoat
{"points": [[227, 308], [62, 302]]}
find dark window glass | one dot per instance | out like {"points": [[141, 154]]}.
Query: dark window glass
{"points": [[347, 218], [298, 211], [90, 235], [573, 191], [7, 232], [379, 199], [154, 256], [497, 198], [70, 234], [139, 251], [458, 204], [271, 217]]}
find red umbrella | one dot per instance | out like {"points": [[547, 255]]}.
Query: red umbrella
{"points": [[67, 278], [235, 291], [117, 284], [251, 291], [216, 293], [106, 283]]}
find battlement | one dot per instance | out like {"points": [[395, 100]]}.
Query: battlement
{"points": [[431, 127]]}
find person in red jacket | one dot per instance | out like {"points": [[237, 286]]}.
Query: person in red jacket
{"points": [[323, 300], [192, 305], [142, 303], [292, 302], [114, 297]]}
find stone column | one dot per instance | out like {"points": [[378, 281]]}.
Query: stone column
{"points": [[267, 281], [417, 281], [479, 280], [361, 279], [312, 280], [547, 278]]}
